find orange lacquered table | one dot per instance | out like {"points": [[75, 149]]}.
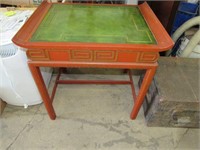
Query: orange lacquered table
{"points": [[96, 41]]}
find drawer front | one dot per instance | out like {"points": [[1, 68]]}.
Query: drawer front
{"points": [[93, 55]]}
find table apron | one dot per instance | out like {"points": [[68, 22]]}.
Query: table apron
{"points": [[117, 65], [86, 55]]}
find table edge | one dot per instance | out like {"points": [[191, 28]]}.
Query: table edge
{"points": [[164, 41]]}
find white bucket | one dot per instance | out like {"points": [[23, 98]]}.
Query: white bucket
{"points": [[17, 86]]}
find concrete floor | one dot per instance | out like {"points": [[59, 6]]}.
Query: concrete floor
{"points": [[89, 117]]}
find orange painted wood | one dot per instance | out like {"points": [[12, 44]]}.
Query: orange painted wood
{"points": [[42, 89], [143, 90]]}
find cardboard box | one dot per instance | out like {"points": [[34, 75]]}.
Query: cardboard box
{"points": [[173, 97]]}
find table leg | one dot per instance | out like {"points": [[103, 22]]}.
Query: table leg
{"points": [[56, 84], [132, 85], [35, 70], [143, 90]]}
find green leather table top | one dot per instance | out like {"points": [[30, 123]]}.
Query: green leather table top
{"points": [[94, 24]]}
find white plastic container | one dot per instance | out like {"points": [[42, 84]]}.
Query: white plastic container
{"points": [[17, 86]]}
